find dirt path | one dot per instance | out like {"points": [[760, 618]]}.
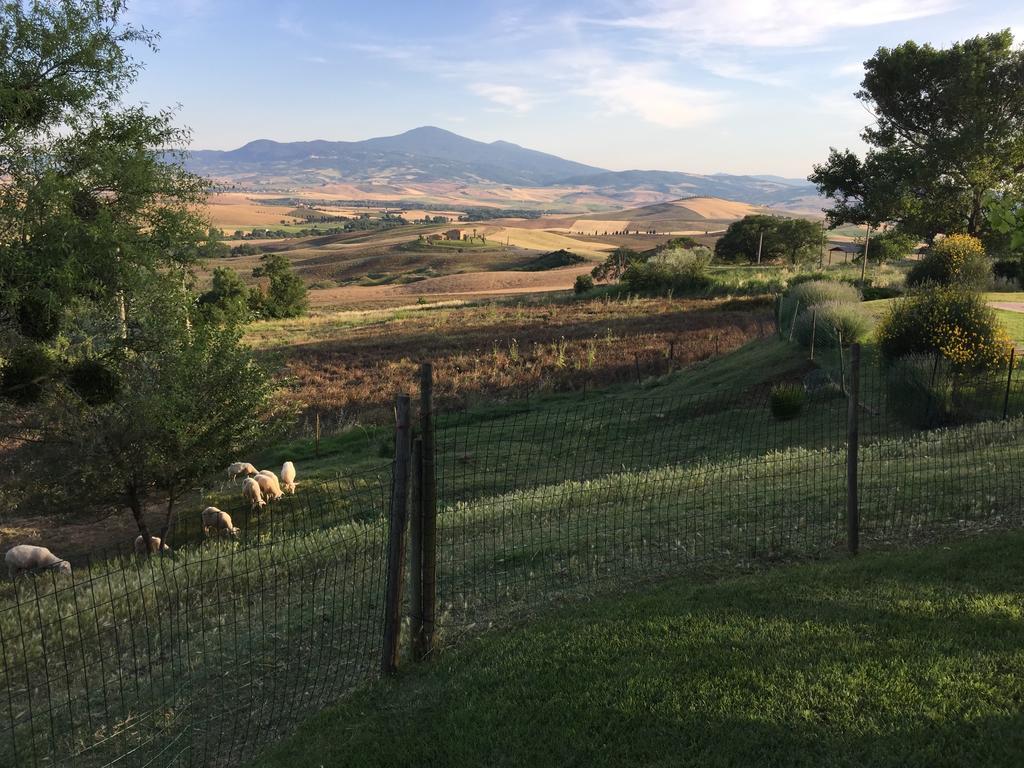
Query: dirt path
{"points": [[1009, 306]]}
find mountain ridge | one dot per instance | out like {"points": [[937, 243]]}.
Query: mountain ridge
{"points": [[432, 154]]}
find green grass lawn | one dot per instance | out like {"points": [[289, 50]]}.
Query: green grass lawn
{"points": [[910, 659]]}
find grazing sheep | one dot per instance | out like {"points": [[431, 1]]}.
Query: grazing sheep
{"points": [[25, 558], [216, 521], [155, 545], [251, 491], [269, 484], [240, 468], [288, 477]]}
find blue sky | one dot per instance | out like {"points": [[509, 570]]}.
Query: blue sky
{"points": [[735, 86]]}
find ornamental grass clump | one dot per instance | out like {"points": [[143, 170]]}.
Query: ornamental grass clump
{"points": [[832, 323]]}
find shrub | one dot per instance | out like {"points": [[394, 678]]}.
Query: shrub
{"points": [[951, 322], [891, 245], [584, 283], [832, 322], [787, 401], [954, 260], [925, 391], [813, 292], [24, 374], [93, 381], [1008, 269], [678, 270]]}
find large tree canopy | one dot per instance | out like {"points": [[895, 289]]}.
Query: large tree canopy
{"points": [[949, 130], [779, 239], [92, 199]]}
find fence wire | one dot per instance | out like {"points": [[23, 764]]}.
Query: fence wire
{"points": [[203, 657]]}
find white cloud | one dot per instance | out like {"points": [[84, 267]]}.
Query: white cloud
{"points": [[768, 23], [849, 70], [636, 91], [511, 97]]}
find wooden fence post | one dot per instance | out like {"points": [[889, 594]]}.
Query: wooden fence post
{"points": [[852, 452], [1009, 382], [429, 505], [396, 539], [416, 551], [317, 437]]}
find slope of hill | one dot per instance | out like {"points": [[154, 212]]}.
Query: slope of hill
{"points": [[432, 156], [422, 154], [686, 215]]}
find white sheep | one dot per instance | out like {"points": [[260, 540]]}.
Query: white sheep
{"points": [[25, 558], [251, 492], [269, 484], [155, 545], [288, 477], [216, 521], [240, 468]]}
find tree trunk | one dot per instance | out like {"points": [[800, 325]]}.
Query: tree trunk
{"points": [[167, 520], [974, 222], [135, 504]]}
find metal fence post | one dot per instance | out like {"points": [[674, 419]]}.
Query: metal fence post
{"points": [[429, 507], [852, 451], [396, 538], [814, 328], [416, 551]]}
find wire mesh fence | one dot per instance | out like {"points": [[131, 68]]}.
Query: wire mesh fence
{"points": [[204, 657], [200, 657]]}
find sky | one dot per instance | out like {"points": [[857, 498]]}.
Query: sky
{"points": [[704, 86]]}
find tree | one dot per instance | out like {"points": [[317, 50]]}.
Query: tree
{"points": [[949, 130], [1006, 217], [94, 198], [616, 263], [892, 245], [227, 300], [778, 238], [286, 294], [192, 398]]}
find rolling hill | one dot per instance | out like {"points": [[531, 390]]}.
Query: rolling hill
{"points": [[423, 156]]}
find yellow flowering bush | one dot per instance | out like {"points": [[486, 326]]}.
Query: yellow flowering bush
{"points": [[955, 323], [953, 260]]}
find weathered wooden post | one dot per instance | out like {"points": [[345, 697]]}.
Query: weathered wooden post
{"points": [[852, 452], [317, 436], [416, 550], [428, 505], [397, 518]]}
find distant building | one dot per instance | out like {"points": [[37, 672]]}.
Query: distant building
{"points": [[845, 249], [434, 238], [453, 234]]}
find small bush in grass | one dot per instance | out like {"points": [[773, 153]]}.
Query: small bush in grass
{"points": [[952, 322], [787, 401], [953, 260], [679, 269], [584, 283], [832, 322], [925, 391], [816, 292]]}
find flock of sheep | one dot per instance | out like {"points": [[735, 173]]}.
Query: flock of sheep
{"points": [[258, 487]]}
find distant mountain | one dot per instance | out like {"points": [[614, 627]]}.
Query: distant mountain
{"points": [[428, 154], [757, 190], [422, 154]]}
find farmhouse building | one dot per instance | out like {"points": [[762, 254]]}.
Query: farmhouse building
{"points": [[453, 234]]}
